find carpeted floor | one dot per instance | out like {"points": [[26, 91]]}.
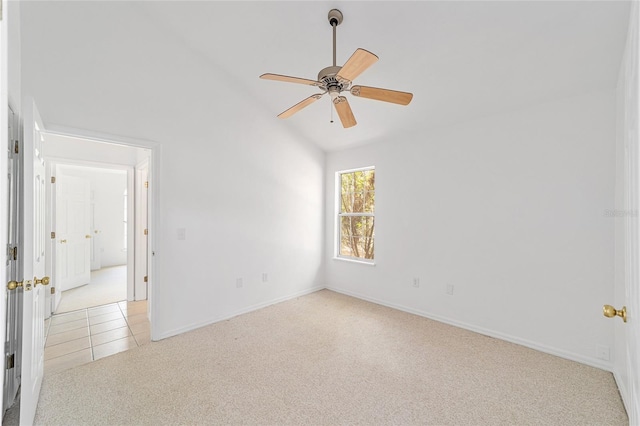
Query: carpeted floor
{"points": [[107, 285], [331, 359]]}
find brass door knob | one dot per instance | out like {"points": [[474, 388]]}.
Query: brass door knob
{"points": [[87, 236], [43, 281], [12, 285], [63, 241], [610, 312]]}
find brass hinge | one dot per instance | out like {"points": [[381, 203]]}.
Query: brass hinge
{"points": [[146, 279], [53, 235], [11, 360], [53, 290], [146, 232], [15, 253], [146, 184], [16, 148], [53, 179]]}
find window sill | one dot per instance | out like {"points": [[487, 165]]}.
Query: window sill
{"points": [[346, 259]]}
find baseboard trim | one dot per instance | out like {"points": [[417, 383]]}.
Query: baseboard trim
{"points": [[194, 326], [603, 365], [622, 389]]}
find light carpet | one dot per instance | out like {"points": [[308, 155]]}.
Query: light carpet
{"points": [[328, 359], [107, 285]]}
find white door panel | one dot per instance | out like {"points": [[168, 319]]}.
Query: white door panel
{"points": [[13, 297], [628, 334], [33, 250], [96, 254], [73, 233]]}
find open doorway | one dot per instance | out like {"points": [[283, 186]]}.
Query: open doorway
{"points": [[91, 225], [99, 255]]}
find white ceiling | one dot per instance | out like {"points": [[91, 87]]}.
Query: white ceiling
{"points": [[461, 60]]}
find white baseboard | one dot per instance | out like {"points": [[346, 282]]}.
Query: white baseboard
{"points": [[622, 388], [593, 362], [193, 326]]}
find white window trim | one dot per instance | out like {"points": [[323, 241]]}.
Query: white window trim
{"points": [[337, 215]]}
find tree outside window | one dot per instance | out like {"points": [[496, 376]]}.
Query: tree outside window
{"points": [[356, 216]]}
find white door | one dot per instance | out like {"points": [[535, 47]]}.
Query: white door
{"points": [[142, 237], [73, 233], [96, 253], [33, 249], [13, 331], [627, 293]]}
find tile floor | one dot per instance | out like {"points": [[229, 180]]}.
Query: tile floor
{"points": [[82, 336]]}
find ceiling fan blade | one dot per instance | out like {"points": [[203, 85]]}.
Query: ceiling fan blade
{"points": [[297, 107], [287, 79], [357, 63], [386, 95], [344, 112]]}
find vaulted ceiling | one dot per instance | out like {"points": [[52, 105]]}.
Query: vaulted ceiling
{"points": [[461, 60]]}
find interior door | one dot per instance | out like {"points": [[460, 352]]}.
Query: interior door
{"points": [[630, 131], [73, 231], [96, 254], [13, 297], [33, 267], [142, 234]]}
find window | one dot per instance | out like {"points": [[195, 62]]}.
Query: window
{"points": [[356, 217]]}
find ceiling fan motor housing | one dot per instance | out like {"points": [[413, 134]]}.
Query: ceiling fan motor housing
{"points": [[330, 83]]}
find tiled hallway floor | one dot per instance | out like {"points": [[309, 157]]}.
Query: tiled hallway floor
{"points": [[82, 336]]}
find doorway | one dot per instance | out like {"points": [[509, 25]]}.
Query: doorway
{"points": [[91, 207], [98, 258]]}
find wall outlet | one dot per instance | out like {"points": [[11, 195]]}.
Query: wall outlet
{"points": [[416, 282], [239, 283], [603, 352], [449, 289], [265, 277]]}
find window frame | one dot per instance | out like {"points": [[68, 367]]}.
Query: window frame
{"points": [[338, 214]]}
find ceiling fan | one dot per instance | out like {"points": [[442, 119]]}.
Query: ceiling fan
{"points": [[334, 80]]}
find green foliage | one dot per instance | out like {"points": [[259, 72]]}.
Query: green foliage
{"points": [[357, 196]]}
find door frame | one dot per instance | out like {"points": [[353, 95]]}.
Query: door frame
{"points": [[141, 218], [153, 197]]}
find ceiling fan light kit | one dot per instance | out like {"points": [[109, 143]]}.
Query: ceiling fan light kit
{"points": [[335, 79]]}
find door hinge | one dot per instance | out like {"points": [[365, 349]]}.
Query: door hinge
{"points": [[53, 179], [146, 279], [146, 184], [53, 290], [15, 253], [16, 148], [146, 232], [53, 235], [11, 360]]}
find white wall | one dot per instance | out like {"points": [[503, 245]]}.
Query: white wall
{"points": [[247, 192], [107, 189], [508, 209]]}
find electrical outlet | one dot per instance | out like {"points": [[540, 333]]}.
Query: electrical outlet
{"points": [[239, 283], [416, 282], [265, 277], [603, 352], [450, 289]]}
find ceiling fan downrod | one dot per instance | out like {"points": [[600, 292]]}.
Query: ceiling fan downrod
{"points": [[335, 19]]}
